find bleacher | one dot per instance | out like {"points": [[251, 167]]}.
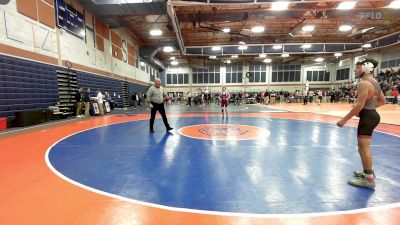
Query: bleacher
{"points": [[105, 84], [33, 86], [136, 88], [26, 85]]}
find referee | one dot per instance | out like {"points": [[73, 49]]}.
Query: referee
{"points": [[155, 101]]}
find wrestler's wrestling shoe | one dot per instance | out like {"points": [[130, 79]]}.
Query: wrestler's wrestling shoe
{"points": [[365, 181], [361, 173]]}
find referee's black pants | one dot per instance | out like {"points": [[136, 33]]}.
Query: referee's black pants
{"points": [[159, 108]]}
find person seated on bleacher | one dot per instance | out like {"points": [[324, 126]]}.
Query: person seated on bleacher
{"points": [[387, 73], [395, 95], [392, 72], [389, 92]]}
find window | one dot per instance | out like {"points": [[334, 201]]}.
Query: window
{"points": [[318, 76], [384, 65], [180, 78], [210, 75], [195, 81], [392, 63], [152, 74], [258, 73], [163, 79], [169, 78], [234, 74], [387, 64], [177, 79], [142, 66], [343, 74], [287, 73]]}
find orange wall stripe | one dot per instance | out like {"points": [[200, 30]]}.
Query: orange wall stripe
{"points": [[6, 49], [88, 69]]}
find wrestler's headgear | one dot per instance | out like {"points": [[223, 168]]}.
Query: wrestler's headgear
{"points": [[367, 66]]}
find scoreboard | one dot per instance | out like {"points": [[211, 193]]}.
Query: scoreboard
{"points": [[70, 19]]}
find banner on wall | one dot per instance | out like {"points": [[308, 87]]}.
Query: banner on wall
{"points": [[96, 108], [107, 104], [124, 51]]}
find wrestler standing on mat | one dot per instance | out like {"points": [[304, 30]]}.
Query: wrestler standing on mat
{"points": [[370, 97], [224, 98]]}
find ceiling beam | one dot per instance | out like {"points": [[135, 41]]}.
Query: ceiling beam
{"points": [[315, 8], [193, 3], [175, 24]]}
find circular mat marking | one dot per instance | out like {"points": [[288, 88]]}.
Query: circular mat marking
{"points": [[223, 132]]}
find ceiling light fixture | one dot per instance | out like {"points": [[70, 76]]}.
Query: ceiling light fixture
{"points": [[277, 6], [367, 45], [155, 32], [226, 30], [277, 47], [168, 49], [267, 60], [345, 28], [216, 48], [394, 5], [338, 54], [174, 63], [308, 28], [306, 46], [285, 55], [346, 5], [263, 55], [319, 59], [257, 29]]}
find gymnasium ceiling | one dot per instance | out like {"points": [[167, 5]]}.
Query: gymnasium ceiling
{"points": [[192, 28]]}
